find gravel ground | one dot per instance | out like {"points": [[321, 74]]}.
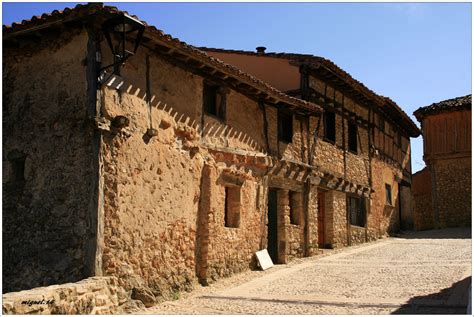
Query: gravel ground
{"points": [[425, 272]]}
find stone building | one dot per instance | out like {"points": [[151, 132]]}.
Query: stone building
{"points": [[442, 190], [361, 142], [176, 166]]}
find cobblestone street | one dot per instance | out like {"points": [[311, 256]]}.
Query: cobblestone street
{"points": [[423, 272]]}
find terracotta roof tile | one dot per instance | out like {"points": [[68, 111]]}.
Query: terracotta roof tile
{"points": [[454, 104]]}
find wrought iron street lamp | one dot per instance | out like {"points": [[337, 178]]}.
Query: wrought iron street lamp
{"points": [[116, 31]]}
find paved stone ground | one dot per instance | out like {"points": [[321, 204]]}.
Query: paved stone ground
{"points": [[425, 272]]}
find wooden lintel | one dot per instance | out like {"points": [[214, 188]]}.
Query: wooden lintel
{"points": [[231, 180], [285, 184]]}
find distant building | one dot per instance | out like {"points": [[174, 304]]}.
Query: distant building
{"points": [[442, 190]]}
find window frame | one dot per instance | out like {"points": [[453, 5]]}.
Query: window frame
{"points": [[326, 126], [352, 139], [285, 126], [214, 92], [360, 211]]}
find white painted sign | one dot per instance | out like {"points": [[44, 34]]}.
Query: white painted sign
{"points": [[264, 259]]}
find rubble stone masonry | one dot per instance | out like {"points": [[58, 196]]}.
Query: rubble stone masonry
{"points": [[95, 295], [453, 191], [443, 189], [48, 164]]}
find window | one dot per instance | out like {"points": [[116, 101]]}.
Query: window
{"points": [[296, 207], [214, 101], [285, 126], [388, 194], [232, 207], [356, 206], [352, 137], [330, 126]]}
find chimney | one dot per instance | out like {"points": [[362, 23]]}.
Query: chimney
{"points": [[261, 50]]}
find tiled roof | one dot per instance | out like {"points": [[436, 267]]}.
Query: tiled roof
{"points": [[454, 104], [81, 11], [379, 100]]}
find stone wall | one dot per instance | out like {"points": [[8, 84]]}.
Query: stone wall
{"points": [[336, 219], [422, 200], [357, 235], [95, 295], [243, 126], [297, 150], [163, 211], [151, 190], [49, 171], [383, 219], [453, 191], [231, 248]]}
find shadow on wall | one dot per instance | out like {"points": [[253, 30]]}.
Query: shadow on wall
{"points": [[210, 130], [451, 300], [216, 130], [448, 233]]}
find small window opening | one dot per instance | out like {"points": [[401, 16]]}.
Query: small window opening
{"points": [[285, 126], [357, 211], [296, 208], [232, 207], [388, 194], [352, 137], [330, 126], [214, 101]]}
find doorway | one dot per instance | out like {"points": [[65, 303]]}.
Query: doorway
{"points": [[321, 220], [272, 235]]}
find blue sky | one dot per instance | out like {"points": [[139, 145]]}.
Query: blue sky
{"points": [[414, 53]]}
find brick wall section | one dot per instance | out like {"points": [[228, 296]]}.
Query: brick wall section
{"points": [[95, 295], [422, 200], [47, 226]]}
